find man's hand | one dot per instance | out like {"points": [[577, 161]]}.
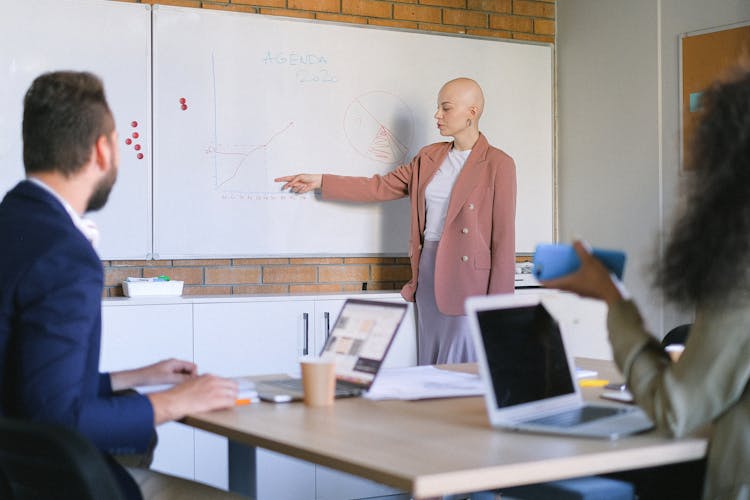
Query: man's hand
{"points": [[202, 393], [168, 371]]}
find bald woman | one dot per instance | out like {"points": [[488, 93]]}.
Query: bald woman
{"points": [[463, 205]]}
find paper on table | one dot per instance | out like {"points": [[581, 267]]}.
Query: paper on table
{"points": [[424, 382], [583, 373]]}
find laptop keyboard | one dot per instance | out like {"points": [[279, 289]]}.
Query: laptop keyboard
{"points": [[343, 388], [288, 384], [578, 416]]}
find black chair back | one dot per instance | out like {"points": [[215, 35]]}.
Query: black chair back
{"points": [[40, 461]]}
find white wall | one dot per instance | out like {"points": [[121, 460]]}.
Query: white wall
{"points": [[608, 181], [618, 114]]}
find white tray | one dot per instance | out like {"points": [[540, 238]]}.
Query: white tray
{"points": [[151, 288]]}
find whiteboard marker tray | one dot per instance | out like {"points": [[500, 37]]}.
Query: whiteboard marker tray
{"points": [[151, 288]]}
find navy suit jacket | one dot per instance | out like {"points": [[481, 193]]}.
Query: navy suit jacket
{"points": [[51, 283]]}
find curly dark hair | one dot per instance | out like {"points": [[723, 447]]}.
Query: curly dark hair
{"points": [[708, 250], [64, 113]]}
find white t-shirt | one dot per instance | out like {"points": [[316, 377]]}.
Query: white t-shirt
{"points": [[438, 192]]}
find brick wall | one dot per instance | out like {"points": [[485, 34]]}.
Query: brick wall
{"points": [[515, 19]]}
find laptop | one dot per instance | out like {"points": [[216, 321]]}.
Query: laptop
{"points": [[358, 344], [529, 378]]}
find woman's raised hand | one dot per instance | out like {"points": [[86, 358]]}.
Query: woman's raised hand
{"points": [[301, 183]]}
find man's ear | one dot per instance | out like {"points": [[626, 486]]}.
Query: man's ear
{"points": [[103, 153]]}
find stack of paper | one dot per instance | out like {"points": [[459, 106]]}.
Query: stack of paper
{"points": [[424, 382]]}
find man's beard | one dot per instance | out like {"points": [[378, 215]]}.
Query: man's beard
{"points": [[101, 192]]}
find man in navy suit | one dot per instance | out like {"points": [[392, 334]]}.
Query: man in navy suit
{"points": [[50, 297]]}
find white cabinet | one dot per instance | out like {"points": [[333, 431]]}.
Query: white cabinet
{"points": [[234, 336], [250, 338], [269, 336], [332, 484], [138, 335]]}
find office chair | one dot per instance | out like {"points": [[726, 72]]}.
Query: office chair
{"points": [[677, 335], [41, 461]]}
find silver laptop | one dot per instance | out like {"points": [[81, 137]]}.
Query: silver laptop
{"points": [[358, 344], [529, 378]]}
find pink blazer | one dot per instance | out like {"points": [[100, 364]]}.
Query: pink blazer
{"points": [[476, 253]]}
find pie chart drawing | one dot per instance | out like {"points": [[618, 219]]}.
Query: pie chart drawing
{"points": [[380, 126]]}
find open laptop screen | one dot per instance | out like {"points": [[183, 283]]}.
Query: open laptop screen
{"points": [[525, 354], [361, 337]]}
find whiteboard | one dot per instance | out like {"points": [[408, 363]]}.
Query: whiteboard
{"points": [[112, 40], [241, 99]]}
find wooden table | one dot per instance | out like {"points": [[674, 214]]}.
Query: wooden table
{"points": [[438, 447]]}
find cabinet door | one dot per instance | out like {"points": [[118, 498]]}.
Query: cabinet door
{"points": [[585, 325], [253, 338], [336, 485], [138, 335], [331, 484]]}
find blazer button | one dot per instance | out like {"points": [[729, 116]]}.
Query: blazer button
{"points": [[419, 247], [465, 230], [471, 206], [465, 258]]}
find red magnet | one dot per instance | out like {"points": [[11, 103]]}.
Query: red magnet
{"points": [[137, 147], [135, 135], [183, 100], [139, 156], [134, 124], [128, 141]]}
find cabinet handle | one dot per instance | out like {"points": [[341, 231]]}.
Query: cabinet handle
{"points": [[327, 318], [306, 343]]}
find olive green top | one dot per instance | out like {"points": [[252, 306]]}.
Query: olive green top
{"points": [[709, 384]]}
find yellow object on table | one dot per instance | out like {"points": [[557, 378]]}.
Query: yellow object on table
{"points": [[593, 382]]}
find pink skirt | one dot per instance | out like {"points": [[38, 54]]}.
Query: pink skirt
{"points": [[441, 339]]}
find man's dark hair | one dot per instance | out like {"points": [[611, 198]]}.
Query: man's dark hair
{"points": [[64, 113], [707, 256]]}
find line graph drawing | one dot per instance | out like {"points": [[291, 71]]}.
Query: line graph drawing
{"points": [[380, 126], [240, 168], [229, 163]]}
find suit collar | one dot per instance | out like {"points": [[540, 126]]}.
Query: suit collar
{"points": [[37, 189], [27, 190], [30, 189]]}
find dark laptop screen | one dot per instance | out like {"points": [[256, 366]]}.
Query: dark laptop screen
{"points": [[525, 354]]}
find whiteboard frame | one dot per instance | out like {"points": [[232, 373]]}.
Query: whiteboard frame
{"points": [[553, 174]]}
